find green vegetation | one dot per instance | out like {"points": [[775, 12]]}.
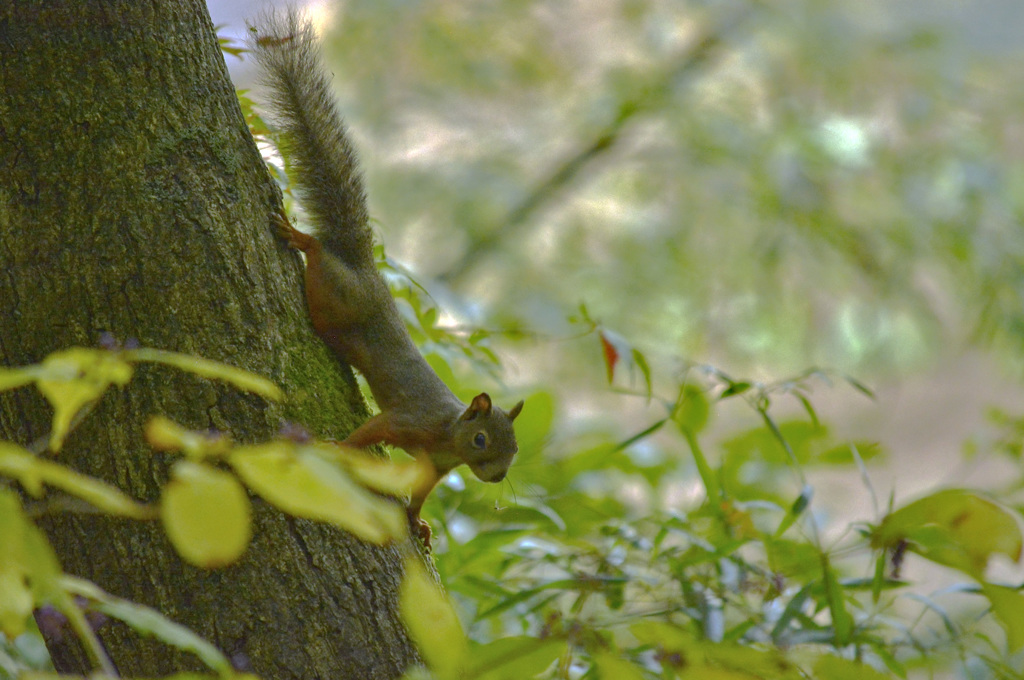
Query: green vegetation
{"points": [[609, 563]]}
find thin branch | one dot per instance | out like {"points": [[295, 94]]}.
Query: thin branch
{"points": [[695, 57]]}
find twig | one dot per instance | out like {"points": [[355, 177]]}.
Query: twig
{"points": [[698, 55]]}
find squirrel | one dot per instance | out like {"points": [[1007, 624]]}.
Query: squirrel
{"points": [[351, 307]]}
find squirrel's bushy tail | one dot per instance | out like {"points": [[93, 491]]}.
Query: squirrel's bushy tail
{"points": [[324, 165]]}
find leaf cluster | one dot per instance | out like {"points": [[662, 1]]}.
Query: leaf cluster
{"points": [[204, 505], [638, 557], [649, 556]]}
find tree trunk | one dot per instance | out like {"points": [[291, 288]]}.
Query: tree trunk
{"points": [[133, 201]]}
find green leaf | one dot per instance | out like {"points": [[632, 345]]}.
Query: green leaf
{"points": [[704, 469], [842, 622], [206, 514], [205, 368], [662, 635], [533, 427], [443, 368], [163, 434], [639, 436], [431, 621], [514, 658], [533, 512], [1008, 606], [72, 378], [29, 571], [859, 386], [512, 599], [809, 408], [151, 622], [741, 662], [829, 667], [44, 570], [612, 667], [792, 611], [954, 527], [645, 370], [32, 472], [692, 409], [11, 378], [16, 601], [300, 482], [796, 509], [703, 660], [384, 476], [482, 554], [734, 389], [428, 319], [796, 560], [761, 444], [878, 581]]}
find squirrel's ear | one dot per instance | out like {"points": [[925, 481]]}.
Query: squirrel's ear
{"points": [[481, 405], [515, 411]]}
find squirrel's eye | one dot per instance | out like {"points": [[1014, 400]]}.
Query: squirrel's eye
{"points": [[480, 440]]}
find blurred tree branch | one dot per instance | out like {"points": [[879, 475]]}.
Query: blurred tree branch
{"points": [[698, 55]]}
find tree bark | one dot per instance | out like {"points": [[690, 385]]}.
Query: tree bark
{"points": [[133, 201]]}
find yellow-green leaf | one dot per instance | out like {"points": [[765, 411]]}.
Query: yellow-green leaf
{"points": [[829, 667], [842, 622], [45, 571], [514, 658], [533, 426], [612, 667], [702, 672], [164, 434], [662, 634], [16, 600], [299, 481], [20, 464], [72, 378], [32, 472], [751, 662], [206, 514], [692, 409], [384, 476], [29, 570], [16, 377], [957, 528], [208, 369], [431, 621], [1008, 606], [704, 660]]}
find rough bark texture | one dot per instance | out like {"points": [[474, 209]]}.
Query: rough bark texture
{"points": [[133, 201]]}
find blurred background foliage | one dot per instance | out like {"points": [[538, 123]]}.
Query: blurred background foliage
{"points": [[759, 184]]}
